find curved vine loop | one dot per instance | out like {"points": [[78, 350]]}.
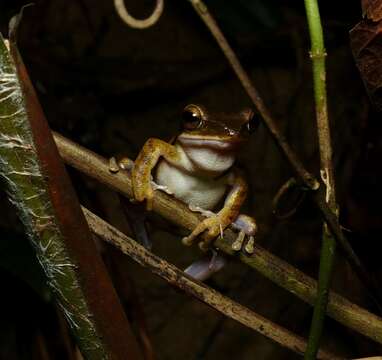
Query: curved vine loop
{"points": [[138, 23], [289, 186]]}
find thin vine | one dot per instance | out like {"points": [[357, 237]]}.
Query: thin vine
{"points": [[328, 247]]}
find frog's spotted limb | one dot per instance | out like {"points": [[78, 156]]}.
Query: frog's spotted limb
{"points": [[215, 225], [144, 164], [127, 164]]}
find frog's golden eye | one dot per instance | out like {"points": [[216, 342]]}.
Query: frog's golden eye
{"points": [[192, 117]]}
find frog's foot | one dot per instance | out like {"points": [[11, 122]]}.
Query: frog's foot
{"points": [[123, 163], [213, 226], [247, 229], [238, 244], [240, 240]]}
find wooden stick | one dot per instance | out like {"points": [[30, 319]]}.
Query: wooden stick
{"points": [[306, 178], [197, 289], [263, 261]]}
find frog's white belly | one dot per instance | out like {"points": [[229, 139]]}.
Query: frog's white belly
{"points": [[198, 191]]}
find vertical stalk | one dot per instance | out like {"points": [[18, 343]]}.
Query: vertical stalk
{"points": [[328, 247]]}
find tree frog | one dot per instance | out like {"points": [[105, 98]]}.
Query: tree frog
{"points": [[197, 167]]}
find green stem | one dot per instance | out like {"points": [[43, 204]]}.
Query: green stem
{"points": [[325, 272], [328, 247]]}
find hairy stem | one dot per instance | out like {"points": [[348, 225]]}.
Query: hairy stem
{"points": [[328, 247], [40, 189]]}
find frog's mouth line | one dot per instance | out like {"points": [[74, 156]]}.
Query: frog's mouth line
{"points": [[229, 143]]}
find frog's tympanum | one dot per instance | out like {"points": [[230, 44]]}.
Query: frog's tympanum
{"points": [[198, 168]]}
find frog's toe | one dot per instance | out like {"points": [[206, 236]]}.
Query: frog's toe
{"points": [[250, 246], [204, 245], [113, 165], [200, 228], [211, 226], [237, 245], [188, 240], [213, 232]]}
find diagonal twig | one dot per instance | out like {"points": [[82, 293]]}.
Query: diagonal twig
{"points": [[199, 290], [267, 264], [308, 180]]}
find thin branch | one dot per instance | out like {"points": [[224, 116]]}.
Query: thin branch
{"points": [[309, 181], [199, 290], [328, 247], [264, 262]]}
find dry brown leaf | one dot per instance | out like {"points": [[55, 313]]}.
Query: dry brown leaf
{"points": [[372, 9], [366, 44]]}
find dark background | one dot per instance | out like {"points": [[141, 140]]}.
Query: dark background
{"points": [[110, 87]]}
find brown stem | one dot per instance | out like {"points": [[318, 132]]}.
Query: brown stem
{"points": [[199, 290], [267, 264], [305, 177]]}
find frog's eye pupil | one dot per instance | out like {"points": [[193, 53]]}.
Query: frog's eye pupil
{"points": [[191, 118]]}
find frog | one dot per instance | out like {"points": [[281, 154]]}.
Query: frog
{"points": [[198, 167]]}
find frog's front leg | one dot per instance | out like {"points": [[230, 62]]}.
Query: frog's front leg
{"points": [[144, 164], [215, 225]]}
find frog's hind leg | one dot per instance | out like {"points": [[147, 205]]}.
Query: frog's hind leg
{"points": [[205, 267], [136, 215]]}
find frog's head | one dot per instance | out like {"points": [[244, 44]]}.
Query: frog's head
{"points": [[211, 139]]}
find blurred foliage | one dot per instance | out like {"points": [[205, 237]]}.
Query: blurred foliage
{"points": [[243, 16], [18, 258]]}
